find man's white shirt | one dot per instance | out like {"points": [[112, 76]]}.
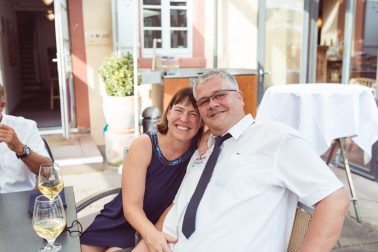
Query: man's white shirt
{"points": [[14, 175], [250, 201]]}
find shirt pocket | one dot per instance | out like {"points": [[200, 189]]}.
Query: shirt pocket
{"points": [[242, 177], [226, 168]]}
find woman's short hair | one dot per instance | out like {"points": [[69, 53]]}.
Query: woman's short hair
{"points": [[183, 95]]}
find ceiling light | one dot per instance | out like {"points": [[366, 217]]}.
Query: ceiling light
{"points": [[47, 2], [50, 15]]}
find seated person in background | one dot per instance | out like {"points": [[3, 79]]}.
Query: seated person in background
{"points": [[22, 151], [152, 172], [248, 202]]}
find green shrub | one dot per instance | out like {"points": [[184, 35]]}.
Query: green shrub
{"points": [[117, 74]]}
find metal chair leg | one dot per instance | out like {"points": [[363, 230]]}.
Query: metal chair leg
{"points": [[341, 142]]}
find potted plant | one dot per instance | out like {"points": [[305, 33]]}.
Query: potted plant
{"points": [[118, 77]]}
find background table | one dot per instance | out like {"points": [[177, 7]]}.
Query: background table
{"points": [[16, 232], [324, 112]]}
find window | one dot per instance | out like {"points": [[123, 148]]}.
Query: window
{"points": [[168, 23]]}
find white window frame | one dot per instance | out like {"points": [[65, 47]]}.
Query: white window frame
{"points": [[166, 49]]}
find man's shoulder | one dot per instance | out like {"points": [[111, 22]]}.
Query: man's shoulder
{"points": [[19, 122], [19, 119], [274, 128], [269, 134]]}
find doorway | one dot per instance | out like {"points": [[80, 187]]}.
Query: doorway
{"points": [[36, 64], [40, 93]]}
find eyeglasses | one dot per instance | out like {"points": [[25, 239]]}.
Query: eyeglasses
{"points": [[216, 96]]}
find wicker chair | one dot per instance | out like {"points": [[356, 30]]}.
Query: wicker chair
{"points": [[302, 220]]}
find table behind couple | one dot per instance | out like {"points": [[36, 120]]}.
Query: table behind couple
{"points": [[325, 112]]}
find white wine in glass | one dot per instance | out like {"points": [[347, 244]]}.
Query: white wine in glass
{"points": [[50, 181], [49, 220]]}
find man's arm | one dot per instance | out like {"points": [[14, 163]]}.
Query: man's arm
{"points": [[326, 223], [33, 161]]}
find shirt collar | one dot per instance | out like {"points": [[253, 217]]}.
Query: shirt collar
{"points": [[237, 130]]}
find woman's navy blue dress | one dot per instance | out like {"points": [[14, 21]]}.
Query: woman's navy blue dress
{"points": [[111, 229]]}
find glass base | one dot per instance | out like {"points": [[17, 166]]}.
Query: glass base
{"points": [[47, 248]]}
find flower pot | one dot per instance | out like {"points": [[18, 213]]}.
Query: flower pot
{"points": [[119, 112]]}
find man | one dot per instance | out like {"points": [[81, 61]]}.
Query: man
{"points": [[22, 151], [261, 172]]}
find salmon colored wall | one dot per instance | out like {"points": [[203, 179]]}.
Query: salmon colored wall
{"points": [[79, 64], [341, 20], [359, 25], [198, 59]]}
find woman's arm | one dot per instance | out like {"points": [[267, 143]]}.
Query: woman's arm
{"points": [[134, 173]]}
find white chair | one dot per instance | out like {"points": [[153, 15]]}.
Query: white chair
{"points": [[367, 82]]}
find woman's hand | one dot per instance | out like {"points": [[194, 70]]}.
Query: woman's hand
{"points": [[157, 241]]}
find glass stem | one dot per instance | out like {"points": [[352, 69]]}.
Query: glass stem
{"points": [[50, 245]]}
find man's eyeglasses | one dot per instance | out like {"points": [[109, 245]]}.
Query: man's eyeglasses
{"points": [[216, 96]]}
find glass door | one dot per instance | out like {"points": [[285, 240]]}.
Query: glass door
{"points": [[347, 54], [281, 37], [64, 66]]}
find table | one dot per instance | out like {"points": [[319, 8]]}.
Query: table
{"points": [[16, 232], [325, 112]]}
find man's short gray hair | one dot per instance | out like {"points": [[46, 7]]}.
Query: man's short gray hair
{"points": [[231, 81], [2, 93]]}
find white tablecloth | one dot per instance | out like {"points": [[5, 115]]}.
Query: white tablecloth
{"points": [[323, 112]]}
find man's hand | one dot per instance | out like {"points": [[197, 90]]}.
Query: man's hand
{"points": [[157, 241], [33, 161], [9, 136]]}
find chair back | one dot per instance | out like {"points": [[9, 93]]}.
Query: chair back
{"points": [[302, 220], [367, 82], [47, 147]]}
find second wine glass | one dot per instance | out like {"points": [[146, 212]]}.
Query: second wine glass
{"points": [[49, 220], [50, 181]]}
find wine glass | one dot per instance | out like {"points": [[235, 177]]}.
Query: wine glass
{"points": [[50, 181], [49, 220]]}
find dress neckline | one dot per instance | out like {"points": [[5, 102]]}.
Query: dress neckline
{"points": [[156, 149]]}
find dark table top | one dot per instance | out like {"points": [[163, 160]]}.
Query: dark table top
{"points": [[16, 230]]}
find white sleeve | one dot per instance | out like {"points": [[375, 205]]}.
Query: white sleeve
{"points": [[299, 168], [33, 139]]}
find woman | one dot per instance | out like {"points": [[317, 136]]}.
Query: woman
{"points": [[152, 173]]}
